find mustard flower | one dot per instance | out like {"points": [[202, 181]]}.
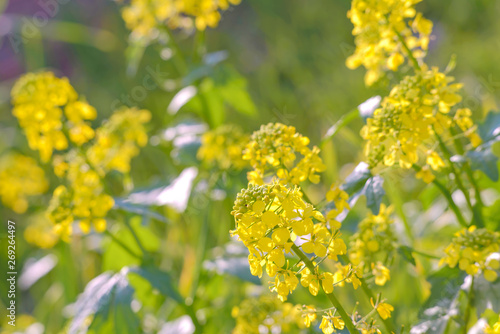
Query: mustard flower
{"points": [[223, 147], [472, 250], [495, 329], [256, 313], [279, 149], [379, 29], [118, 140], [406, 125], [20, 178], [40, 101], [145, 17]]}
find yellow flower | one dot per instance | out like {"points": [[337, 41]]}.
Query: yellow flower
{"points": [[374, 242], [381, 273], [145, 17], [379, 27], [495, 329], [425, 174], [280, 149], [40, 232], [223, 147], [20, 178], [118, 140], [416, 110], [256, 313], [472, 250], [383, 309], [38, 99]]}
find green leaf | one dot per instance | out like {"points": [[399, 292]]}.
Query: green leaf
{"points": [[483, 159], [489, 129], [486, 295], [362, 182], [159, 280], [106, 300], [232, 265], [442, 304], [406, 254]]}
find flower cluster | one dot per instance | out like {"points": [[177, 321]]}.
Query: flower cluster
{"points": [[383, 30], [269, 219], [277, 147], [118, 140], [472, 249], [254, 314], [40, 232], [20, 178], [40, 100], [373, 244], [495, 329], [84, 201], [331, 322], [144, 17], [416, 111], [223, 147]]}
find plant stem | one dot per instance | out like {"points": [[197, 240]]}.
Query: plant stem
{"points": [[408, 50], [335, 302], [143, 250], [478, 218], [448, 197], [343, 121], [458, 179], [389, 326], [470, 297], [121, 244]]}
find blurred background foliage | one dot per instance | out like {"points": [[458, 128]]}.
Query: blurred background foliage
{"points": [[283, 61]]}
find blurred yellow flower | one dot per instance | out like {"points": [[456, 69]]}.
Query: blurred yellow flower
{"points": [[223, 147], [39, 100], [145, 17], [20, 178]]}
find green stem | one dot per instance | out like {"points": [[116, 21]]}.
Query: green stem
{"points": [[448, 197], [343, 121], [389, 326], [121, 244], [470, 298], [430, 256], [335, 302], [478, 206], [179, 57], [143, 250], [408, 50], [458, 179]]}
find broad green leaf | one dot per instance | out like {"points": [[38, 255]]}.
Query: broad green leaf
{"points": [[159, 280], [442, 304], [489, 129], [483, 159], [105, 306], [406, 254], [362, 182], [486, 295]]}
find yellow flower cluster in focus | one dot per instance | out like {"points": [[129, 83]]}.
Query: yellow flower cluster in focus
{"points": [[41, 100], [380, 26], [279, 148], [407, 124], [20, 178], [373, 244], [143, 17], [254, 314], [269, 218], [471, 249], [223, 147], [495, 329]]}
